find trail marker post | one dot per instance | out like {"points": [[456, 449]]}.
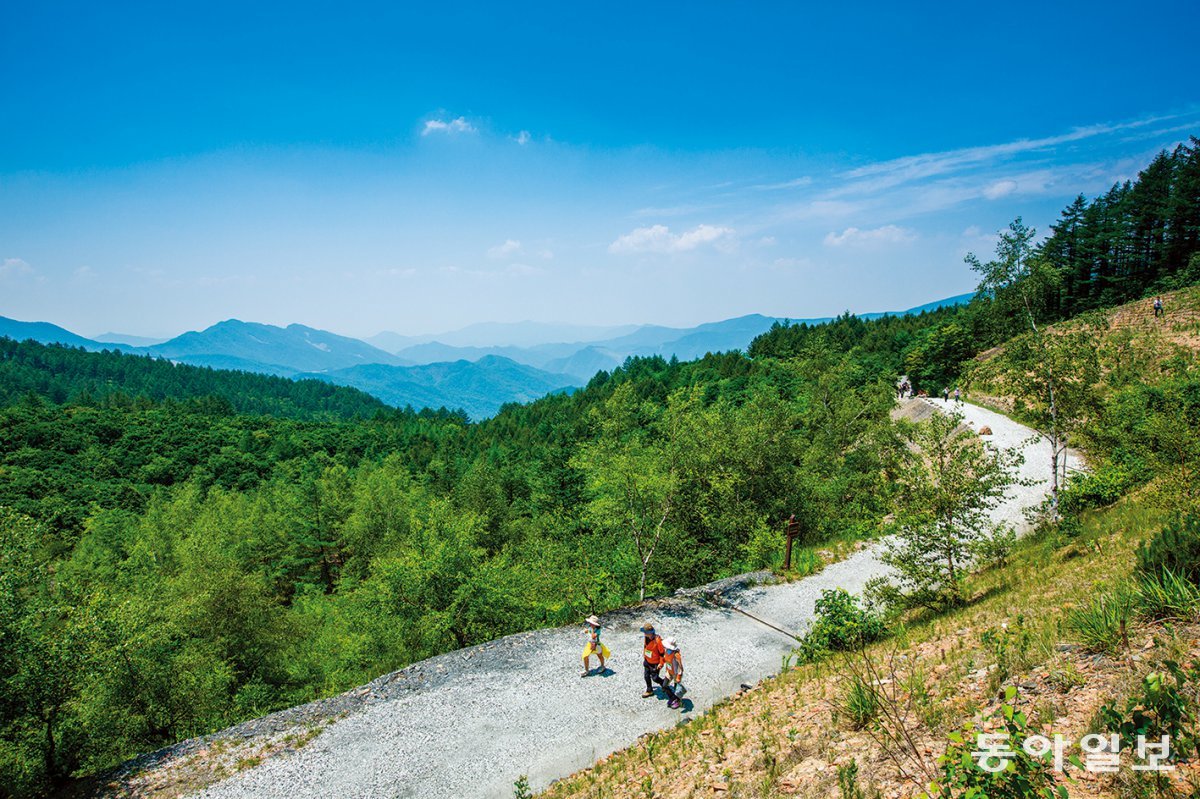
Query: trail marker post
{"points": [[792, 529]]}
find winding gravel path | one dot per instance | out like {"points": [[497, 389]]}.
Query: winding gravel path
{"points": [[468, 724]]}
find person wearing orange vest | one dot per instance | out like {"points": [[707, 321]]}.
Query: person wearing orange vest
{"points": [[652, 663]]}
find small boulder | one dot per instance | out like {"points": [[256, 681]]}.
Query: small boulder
{"points": [[985, 431]]}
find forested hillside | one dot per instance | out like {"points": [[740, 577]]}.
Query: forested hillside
{"points": [[183, 548], [70, 375]]}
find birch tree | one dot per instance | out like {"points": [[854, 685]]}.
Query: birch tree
{"points": [[1050, 374], [633, 484], [948, 482]]}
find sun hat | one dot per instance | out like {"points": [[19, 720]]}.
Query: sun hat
{"points": [[647, 627], [670, 645], [592, 620]]}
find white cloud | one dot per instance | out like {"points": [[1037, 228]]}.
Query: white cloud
{"points": [[522, 138], [84, 273], [457, 125], [659, 239], [14, 267], [509, 247], [1001, 188], [853, 237]]}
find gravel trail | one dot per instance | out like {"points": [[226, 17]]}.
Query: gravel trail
{"points": [[469, 723]]}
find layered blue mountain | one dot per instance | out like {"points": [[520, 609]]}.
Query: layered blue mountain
{"points": [[581, 359], [125, 338], [46, 333], [505, 334], [479, 388], [254, 347]]}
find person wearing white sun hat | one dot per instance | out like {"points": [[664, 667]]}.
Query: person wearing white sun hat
{"points": [[673, 665], [593, 646]]}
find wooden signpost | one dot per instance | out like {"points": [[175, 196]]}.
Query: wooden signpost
{"points": [[792, 529]]}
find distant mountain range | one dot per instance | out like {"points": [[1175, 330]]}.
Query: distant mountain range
{"points": [[478, 368], [581, 358], [478, 388], [124, 338]]}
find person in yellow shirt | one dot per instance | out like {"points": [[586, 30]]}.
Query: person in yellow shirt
{"points": [[593, 647]]}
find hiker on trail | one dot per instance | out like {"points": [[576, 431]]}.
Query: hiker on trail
{"points": [[673, 663], [957, 396], [593, 647], [652, 663], [946, 393], [1158, 309]]}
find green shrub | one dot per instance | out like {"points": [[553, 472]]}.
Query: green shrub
{"points": [[1176, 549], [1159, 707], [1024, 777], [841, 623], [1100, 626], [1099, 488]]}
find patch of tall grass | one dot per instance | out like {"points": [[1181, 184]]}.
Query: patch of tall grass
{"points": [[1167, 596], [860, 704], [1101, 625]]}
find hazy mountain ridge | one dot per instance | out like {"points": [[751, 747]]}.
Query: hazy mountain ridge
{"points": [[581, 360], [435, 373], [479, 388], [295, 348]]}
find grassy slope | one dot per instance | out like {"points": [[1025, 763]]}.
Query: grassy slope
{"points": [[784, 737]]}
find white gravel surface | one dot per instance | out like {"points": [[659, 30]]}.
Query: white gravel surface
{"points": [[473, 722]]}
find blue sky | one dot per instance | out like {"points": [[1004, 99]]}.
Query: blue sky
{"points": [[362, 168]]}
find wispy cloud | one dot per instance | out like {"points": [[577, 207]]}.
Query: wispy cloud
{"points": [[14, 267], [509, 248], [672, 210], [523, 137], [660, 239], [853, 237], [787, 184], [885, 174], [450, 127]]}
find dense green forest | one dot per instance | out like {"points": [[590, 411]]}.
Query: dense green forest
{"points": [[183, 548], [73, 375]]}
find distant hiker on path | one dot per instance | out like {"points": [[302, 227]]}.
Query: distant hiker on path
{"points": [[673, 661], [653, 654], [946, 393], [593, 647], [957, 396], [1158, 309]]}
